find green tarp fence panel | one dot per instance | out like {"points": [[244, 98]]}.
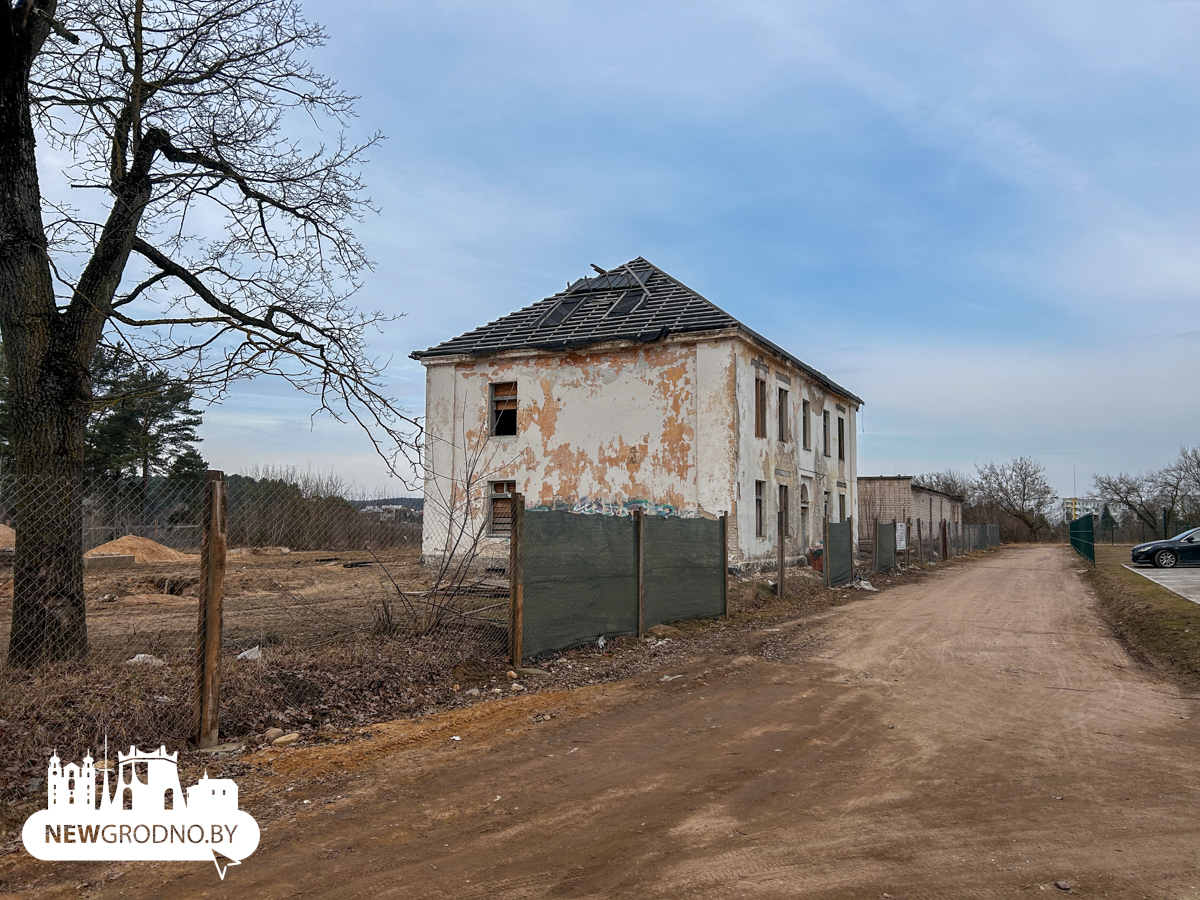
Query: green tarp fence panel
{"points": [[1083, 539], [994, 535], [682, 568], [885, 546], [580, 580], [839, 554]]}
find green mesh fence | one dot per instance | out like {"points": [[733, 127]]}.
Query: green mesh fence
{"points": [[580, 580], [839, 554], [1083, 539], [885, 546], [682, 565]]}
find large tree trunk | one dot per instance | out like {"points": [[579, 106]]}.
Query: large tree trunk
{"points": [[48, 352], [48, 393]]}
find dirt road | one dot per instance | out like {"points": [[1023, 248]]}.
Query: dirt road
{"points": [[977, 735]]}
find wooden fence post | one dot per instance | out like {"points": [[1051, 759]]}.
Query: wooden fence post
{"points": [[907, 543], [639, 529], [780, 550], [213, 548], [725, 562], [516, 579], [920, 547]]}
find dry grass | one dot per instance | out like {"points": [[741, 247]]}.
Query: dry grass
{"points": [[1160, 628]]}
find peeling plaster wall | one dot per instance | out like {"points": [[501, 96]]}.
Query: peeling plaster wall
{"points": [[807, 472], [616, 424], [670, 422]]}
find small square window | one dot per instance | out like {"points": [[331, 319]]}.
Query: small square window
{"points": [[504, 407], [500, 506]]}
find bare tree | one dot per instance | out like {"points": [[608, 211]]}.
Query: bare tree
{"points": [[1173, 491], [1017, 487], [948, 481], [208, 240]]}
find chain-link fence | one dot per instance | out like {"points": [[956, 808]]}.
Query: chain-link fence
{"points": [[99, 611]]}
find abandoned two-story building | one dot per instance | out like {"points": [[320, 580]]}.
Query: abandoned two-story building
{"points": [[629, 389]]}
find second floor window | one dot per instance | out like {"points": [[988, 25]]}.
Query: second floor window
{"points": [[805, 425], [825, 432], [760, 408], [783, 415], [841, 438], [504, 407]]}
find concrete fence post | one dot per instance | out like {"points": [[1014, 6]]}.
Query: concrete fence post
{"points": [[516, 579]]}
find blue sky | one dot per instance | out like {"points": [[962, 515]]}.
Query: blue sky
{"points": [[990, 211]]}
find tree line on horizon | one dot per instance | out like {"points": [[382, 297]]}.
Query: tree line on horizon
{"points": [[1016, 495]]}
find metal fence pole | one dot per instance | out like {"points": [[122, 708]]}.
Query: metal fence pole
{"points": [[725, 563], [639, 528], [516, 579], [213, 550]]}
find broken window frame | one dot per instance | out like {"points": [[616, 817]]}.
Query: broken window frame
{"points": [[502, 398], [500, 507]]}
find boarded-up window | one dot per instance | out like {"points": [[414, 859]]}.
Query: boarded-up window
{"points": [[501, 507], [504, 408], [760, 408], [841, 438], [783, 415], [805, 425]]}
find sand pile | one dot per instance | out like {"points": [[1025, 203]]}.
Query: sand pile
{"points": [[8, 537], [142, 549]]}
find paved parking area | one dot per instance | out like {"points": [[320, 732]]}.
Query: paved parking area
{"points": [[1183, 581]]}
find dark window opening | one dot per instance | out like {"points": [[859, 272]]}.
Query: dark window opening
{"points": [[841, 507], [841, 438], [500, 507], [825, 431], [783, 415], [759, 490], [805, 426], [760, 408], [504, 408]]}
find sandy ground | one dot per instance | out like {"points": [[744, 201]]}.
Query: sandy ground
{"points": [[976, 735]]}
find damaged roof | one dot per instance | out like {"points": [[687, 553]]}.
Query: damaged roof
{"points": [[633, 302]]}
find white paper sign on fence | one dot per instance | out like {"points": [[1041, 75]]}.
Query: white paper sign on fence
{"points": [[901, 536]]}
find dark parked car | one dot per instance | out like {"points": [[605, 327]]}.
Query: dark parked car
{"points": [[1181, 550]]}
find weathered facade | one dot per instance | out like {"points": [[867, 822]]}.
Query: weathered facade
{"points": [[901, 497], [627, 390]]}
